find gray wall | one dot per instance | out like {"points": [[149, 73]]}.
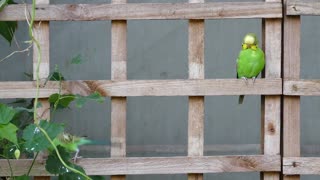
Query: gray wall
{"points": [[158, 50]]}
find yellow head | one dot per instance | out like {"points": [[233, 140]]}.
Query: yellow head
{"points": [[250, 40]]}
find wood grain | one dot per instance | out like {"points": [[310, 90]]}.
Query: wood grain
{"points": [[301, 165], [188, 87], [302, 87], [121, 88], [291, 105], [272, 29], [96, 12], [291, 69], [157, 165], [303, 7], [25, 89], [41, 34], [196, 104], [118, 72]]}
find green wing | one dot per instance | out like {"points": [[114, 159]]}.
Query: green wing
{"points": [[250, 63]]}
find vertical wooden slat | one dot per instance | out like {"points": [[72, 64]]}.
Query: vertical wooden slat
{"points": [[118, 72], [271, 124], [196, 104], [41, 34], [272, 103], [291, 104]]}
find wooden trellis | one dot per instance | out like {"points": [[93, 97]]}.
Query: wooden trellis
{"points": [[293, 88], [196, 87]]}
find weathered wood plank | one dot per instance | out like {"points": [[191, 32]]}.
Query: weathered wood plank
{"points": [[291, 69], [25, 89], [302, 7], [301, 165], [41, 34], [95, 12], [190, 87], [207, 87], [291, 105], [196, 104], [118, 72], [301, 87], [157, 165], [272, 29]]}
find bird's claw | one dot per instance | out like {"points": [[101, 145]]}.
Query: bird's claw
{"points": [[245, 80], [253, 80], [76, 156]]}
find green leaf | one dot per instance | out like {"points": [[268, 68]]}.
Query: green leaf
{"points": [[3, 3], [97, 177], [56, 76], [81, 100], [8, 131], [18, 101], [8, 149], [36, 140], [77, 60], [54, 165], [72, 175], [11, 2], [62, 101], [24, 109], [24, 177], [6, 114], [7, 29]]}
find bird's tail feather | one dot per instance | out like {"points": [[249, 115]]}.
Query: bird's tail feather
{"points": [[241, 97]]}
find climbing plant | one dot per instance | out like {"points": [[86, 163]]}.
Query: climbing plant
{"points": [[23, 132]]}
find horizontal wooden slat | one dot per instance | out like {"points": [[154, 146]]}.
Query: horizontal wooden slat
{"points": [[190, 87], [157, 165], [301, 87], [217, 149], [94, 12], [25, 89], [303, 7], [301, 165], [208, 87]]}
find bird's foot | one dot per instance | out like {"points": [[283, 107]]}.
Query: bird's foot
{"points": [[245, 80], [253, 80], [76, 156]]}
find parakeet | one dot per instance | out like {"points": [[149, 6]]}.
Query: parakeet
{"points": [[250, 61], [70, 142]]}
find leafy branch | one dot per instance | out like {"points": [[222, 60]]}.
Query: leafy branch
{"points": [[41, 135]]}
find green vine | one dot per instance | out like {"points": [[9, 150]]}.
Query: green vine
{"points": [[35, 41], [41, 135], [59, 156]]}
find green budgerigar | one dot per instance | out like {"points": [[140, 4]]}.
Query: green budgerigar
{"points": [[70, 142], [250, 61]]}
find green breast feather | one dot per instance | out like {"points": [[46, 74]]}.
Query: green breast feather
{"points": [[250, 63]]}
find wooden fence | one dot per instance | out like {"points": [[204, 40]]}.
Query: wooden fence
{"points": [[273, 87], [293, 88]]}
